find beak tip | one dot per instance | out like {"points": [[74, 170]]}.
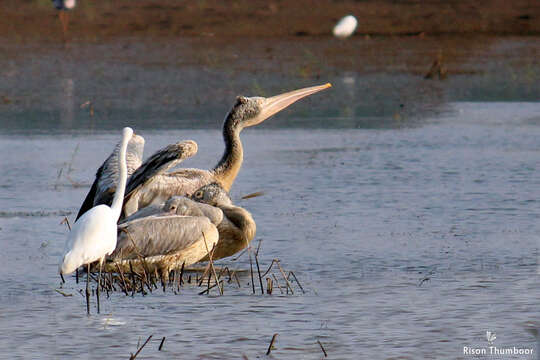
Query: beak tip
{"points": [[327, 85]]}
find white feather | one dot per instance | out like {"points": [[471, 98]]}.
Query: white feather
{"points": [[94, 235]]}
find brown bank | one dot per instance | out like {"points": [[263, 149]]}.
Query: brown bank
{"points": [[96, 20]]}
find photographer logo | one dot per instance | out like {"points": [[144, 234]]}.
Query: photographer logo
{"points": [[494, 350]]}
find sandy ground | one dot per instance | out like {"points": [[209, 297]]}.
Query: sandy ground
{"points": [[99, 20]]}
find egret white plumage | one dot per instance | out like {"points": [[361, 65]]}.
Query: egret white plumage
{"points": [[345, 27], [94, 235]]}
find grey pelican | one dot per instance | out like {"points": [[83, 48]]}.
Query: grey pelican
{"points": [[146, 186], [237, 228], [170, 235], [179, 205], [180, 233]]}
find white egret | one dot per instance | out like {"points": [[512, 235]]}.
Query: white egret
{"points": [[94, 235], [345, 27]]}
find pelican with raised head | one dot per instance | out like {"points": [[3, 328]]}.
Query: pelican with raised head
{"points": [[147, 187]]}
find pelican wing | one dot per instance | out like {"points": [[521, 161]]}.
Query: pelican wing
{"points": [[88, 202], [151, 210], [104, 186], [159, 163], [159, 235]]}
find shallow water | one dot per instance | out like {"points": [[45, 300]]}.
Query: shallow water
{"points": [[413, 236]]}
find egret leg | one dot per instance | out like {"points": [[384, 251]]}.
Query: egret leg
{"points": [[88, 290], [62, 277], [98, 286], [77, 275]]}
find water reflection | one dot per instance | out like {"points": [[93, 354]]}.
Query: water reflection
{"points": [[66, 101], [377, 84]]}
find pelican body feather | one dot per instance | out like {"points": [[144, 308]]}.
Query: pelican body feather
{"points": [[165, 242], [151, 185]]}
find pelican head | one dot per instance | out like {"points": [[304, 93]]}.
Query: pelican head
{"points": [[250, 111], [212, 194]]}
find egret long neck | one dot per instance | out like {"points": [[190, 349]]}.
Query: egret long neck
{"points": [[228, 167], [118, 199]]}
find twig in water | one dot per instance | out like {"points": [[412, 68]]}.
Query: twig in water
{"points": [[87, 289], [133, 283], [58, 178], [296, 279], [270, 267], [207, 290], [252, 195], [269, 286], [322, 348], [251, 269], [133, 356], [162, 280], [258, 247], [181, 281], [259, 270], [212, 264], [66, 221], [123, 279], [237, 280], [285, 278], [427, 278], [240, 255], [271, 344], [161, 344], [62, 293], [277, 283], [70, 164]]}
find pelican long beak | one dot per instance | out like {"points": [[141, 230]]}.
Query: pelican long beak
{"points": [[274, 104]]}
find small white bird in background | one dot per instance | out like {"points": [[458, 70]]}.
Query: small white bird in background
{"points": [[94, 234], [63, 6], [345, 27]]}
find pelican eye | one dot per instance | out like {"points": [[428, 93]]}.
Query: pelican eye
{"points": [[199, 194]]}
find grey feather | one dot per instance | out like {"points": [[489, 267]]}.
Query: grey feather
{"points": [[158, 235], [104, 186]]}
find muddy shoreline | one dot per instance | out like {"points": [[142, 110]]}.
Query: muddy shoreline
{"points": [[97, 21]]}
